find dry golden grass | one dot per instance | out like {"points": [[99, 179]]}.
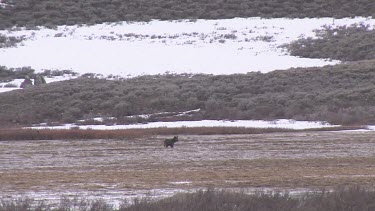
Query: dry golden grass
{"points": [[275, 160], [288, 173], [63, 134]]}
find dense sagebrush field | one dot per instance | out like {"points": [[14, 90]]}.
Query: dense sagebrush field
{"points": [[342, 94], [55, 12]]}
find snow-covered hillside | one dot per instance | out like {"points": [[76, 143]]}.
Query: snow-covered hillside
{"points": [[186, 46]]}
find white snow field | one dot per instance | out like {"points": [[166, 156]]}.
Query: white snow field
{"points": [[227, 46], [280, 123]]}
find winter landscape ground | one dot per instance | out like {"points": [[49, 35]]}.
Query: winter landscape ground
{"points": [[115, 169], [217, 47], [131, 49], [123, 169]]}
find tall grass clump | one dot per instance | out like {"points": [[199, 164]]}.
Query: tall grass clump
{"points": [[352, 198], [65, 204], [340, 199]]}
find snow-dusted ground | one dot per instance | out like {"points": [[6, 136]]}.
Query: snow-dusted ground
{"points": [[281, 123], [131, 49], [15, 84], [201, 46], [3, 5], [9, 86], [141, 167]]}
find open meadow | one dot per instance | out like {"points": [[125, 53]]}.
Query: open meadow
{"points": [[273, 103], [142, 167]]}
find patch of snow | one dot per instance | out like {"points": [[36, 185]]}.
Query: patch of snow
{"points": [[3, 5], [59, 78], [2, 89], [113, 197], [342, 176], [229, 46], [281, 123], [99, 119], [146, 116], [369, 128], [11, 85], [181, 182], [16, 83], [353, 131], [187, 113]]}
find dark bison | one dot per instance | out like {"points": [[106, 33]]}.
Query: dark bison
{"points": [[170, 142]]}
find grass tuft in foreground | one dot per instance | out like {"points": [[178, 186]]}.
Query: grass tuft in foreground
{"points": [[341, 199]]}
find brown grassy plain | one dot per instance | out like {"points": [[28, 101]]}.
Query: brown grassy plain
{"points": [[132, 166]]}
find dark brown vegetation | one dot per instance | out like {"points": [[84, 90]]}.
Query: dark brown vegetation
{"points": [[353, 198], [343, 199], [14, 73], [55, 12], [345, 43], [343, 94], [9, 74], [7, 42]]}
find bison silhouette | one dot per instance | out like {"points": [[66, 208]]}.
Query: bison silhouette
{"points": [[170, 142]]}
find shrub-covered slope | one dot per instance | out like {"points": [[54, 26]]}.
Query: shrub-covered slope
{"points": [[345, 43], [68, 12], [342, 94]]}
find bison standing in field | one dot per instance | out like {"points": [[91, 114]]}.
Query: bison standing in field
{"points": [[170, 142]]}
